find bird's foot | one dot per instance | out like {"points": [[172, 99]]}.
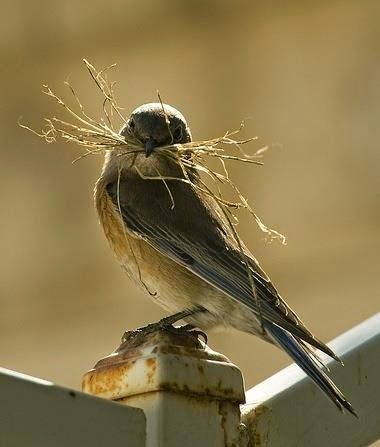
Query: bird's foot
{"points": [[167, 324], [193, 330], [161, 325]]}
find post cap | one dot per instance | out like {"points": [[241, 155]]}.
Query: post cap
{"points": [[164, 360]]}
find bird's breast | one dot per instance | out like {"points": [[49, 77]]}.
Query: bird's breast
{"points": [[168, 283]]}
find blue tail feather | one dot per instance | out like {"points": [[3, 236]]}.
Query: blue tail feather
{"points": [[304, 359]]}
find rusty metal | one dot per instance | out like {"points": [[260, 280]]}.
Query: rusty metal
{"points": [[164, 361], [190, 394]]}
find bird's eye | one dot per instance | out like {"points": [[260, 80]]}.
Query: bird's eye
{"points": [[177, 134]]}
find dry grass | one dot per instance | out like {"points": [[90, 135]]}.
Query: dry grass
{"points": [[98, 136]]}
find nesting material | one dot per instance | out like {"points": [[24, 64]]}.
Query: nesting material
{"points": [[99, 136]]}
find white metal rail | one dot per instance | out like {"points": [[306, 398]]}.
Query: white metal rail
{"points": [[288, 410], [36, 413]]}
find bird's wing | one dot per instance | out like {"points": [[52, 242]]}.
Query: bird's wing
{"points": [[195, 236]]}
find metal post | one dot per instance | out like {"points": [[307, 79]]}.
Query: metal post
{"points": [[189, 393]]}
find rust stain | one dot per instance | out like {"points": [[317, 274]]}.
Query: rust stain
{"points": [[106, 379], [223, 419], [201, 369], [151, 365], [111, 379], [201, 394], [256, 437], [230, 440]]}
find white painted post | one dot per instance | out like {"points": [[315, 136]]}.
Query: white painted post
{"points": [[189, 393]]}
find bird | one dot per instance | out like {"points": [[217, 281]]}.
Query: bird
{"points": [[180, 249]]}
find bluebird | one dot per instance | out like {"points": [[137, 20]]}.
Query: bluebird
{"points": [[180, 248]]}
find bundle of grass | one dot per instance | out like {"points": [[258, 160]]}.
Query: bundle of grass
{"points": [[99, 136]]}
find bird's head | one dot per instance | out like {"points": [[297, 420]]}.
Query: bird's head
{"points": [[155, 125]]}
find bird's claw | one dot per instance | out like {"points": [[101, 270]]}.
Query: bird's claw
{"points": [[189, 328], [165, 324]]}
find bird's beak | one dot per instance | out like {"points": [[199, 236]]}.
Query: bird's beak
{"points": [[150, 144]]}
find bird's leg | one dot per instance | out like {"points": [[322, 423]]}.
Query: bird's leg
{"points": [[171, 319], [167, 323]]}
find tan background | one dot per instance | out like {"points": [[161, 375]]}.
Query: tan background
{"points": [[306, 78]]}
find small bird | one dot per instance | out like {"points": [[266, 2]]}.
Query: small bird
{"points": [[181, 250]]}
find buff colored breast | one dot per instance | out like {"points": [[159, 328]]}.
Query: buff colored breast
{"points": [[156, 273]]}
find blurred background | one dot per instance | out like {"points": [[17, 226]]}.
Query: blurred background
{"points": [[304, 76]]}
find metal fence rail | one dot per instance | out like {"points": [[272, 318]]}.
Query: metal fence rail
{"points": [[36, 413], [288, 410]]}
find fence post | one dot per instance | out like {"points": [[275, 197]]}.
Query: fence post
{"points": [[189, 393]]}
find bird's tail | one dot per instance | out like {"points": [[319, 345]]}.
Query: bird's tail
{"points": [[305, 359]]}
